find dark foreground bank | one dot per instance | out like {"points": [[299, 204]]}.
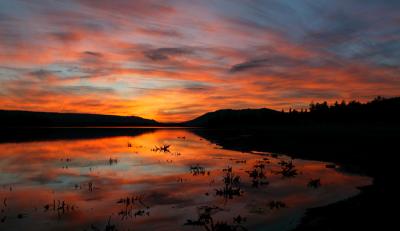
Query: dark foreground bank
{"points": [[371, 150]]}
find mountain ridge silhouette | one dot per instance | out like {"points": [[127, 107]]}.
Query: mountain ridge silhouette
{"points": [[378, 111]]}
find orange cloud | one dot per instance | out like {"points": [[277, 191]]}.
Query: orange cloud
{"points": [[175, 61]]}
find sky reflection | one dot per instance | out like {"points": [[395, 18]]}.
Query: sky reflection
{"points": [[94, 178]]}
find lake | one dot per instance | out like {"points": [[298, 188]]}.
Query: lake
{"points": [[160, 179]]}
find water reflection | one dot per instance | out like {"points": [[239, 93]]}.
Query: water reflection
{"points": [[161, 180]]}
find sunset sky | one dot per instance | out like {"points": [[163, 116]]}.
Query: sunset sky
{"points": [[175, 60]]}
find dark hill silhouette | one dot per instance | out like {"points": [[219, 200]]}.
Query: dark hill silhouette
{"points": [[377, 111], [230, 117], [53, 119]]}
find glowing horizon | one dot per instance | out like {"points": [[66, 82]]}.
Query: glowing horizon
{"points": [[175, 60]]}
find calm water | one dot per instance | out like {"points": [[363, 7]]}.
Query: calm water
{"points": [[95, 184]]}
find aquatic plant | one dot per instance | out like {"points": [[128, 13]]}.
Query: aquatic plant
{"points": [[239, 219], [288, 169], [258, 176], [109, 226], [197, 170], [163, 148], [133, 207], [276, 205], [60, 207], [112, 161], [90, 185], [231, 186], [314, 183], [205, 219]]}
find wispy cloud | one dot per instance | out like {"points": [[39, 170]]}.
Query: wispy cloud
{"points": [[173, 60]]}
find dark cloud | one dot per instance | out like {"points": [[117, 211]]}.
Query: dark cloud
{"points": [[311, 93], [41, 73], [161, 54], [270, 62], [66, 36], [84, 89], [384, 53], [92, 53], [137, 8], [192, 86], [9, 35], [251, 64], [160, 32], [338, 27], [197, 87]]}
